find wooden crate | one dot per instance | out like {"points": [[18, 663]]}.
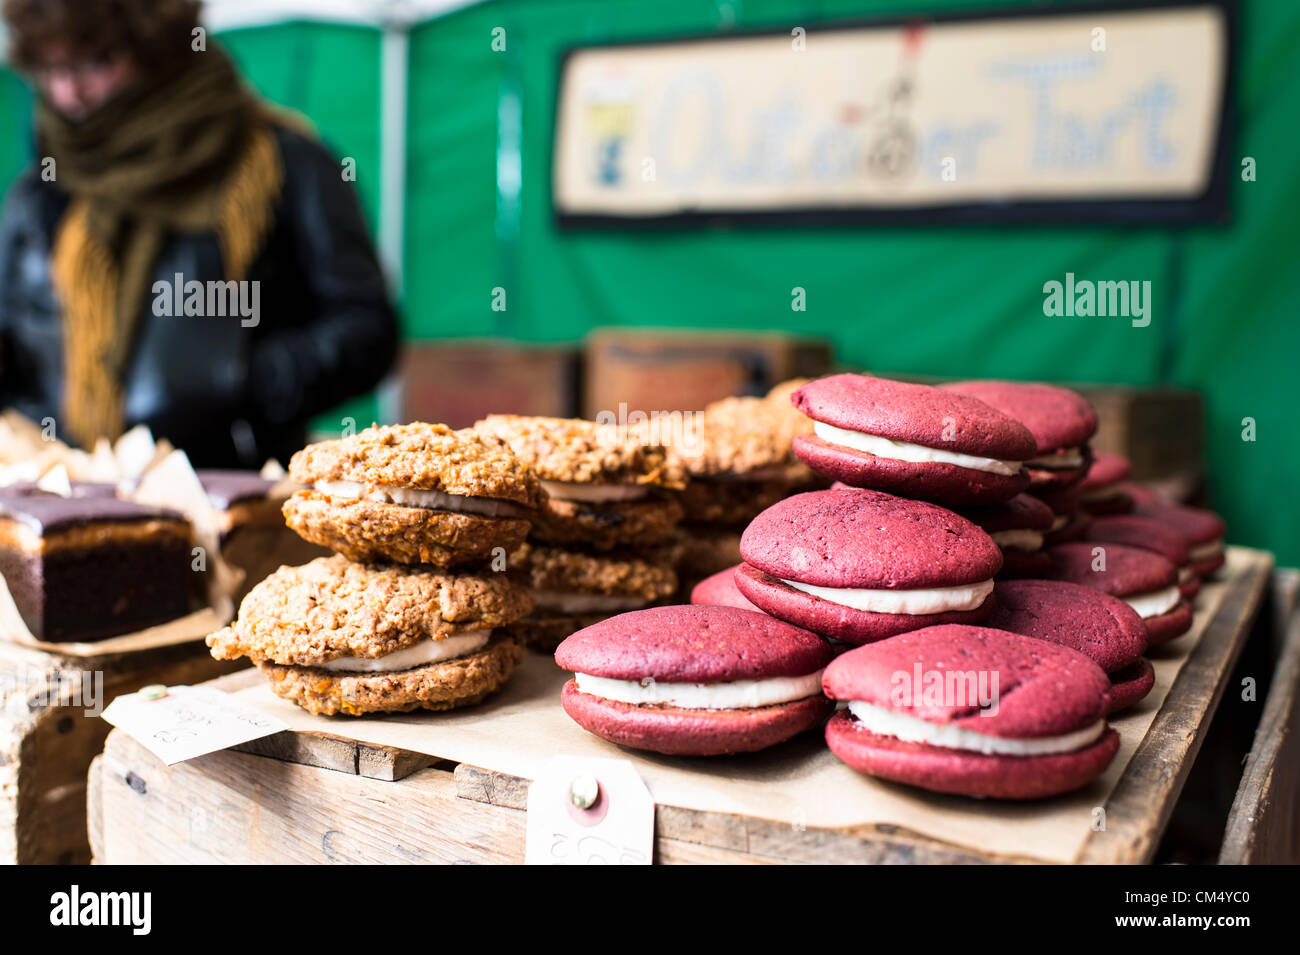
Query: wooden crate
{"points": [[1160, 430], [47, 741], [323, 797], [458, 381], [1264, 824], [648, 369]]}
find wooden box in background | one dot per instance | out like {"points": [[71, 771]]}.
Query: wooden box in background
{"points": [[1160, 430], [457, 382], [679, 370]]}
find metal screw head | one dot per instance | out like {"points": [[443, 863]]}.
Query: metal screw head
{"points": [[154, 691], [584, 791]]}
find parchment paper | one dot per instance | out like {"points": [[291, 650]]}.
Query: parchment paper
{"points": [[799, 782]]}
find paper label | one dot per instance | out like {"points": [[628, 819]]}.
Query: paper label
{"points": [[618, 828], [189, 721]]}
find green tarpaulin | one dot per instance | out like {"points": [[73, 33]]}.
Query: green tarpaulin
{"points": [[950, 301]]}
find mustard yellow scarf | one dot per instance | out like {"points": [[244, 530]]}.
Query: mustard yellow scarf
{"points": [[189, 151]]}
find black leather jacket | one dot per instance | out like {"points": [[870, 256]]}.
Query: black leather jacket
{"points": [[228, 395]]}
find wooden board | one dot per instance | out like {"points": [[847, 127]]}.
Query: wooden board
{"points": [[47, 738], [1264, 823], [287, 811]]}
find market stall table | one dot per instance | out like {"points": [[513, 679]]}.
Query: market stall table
{"points": [[452, 787]]}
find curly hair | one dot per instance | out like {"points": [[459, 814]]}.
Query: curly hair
{"points": [[153, 32]]}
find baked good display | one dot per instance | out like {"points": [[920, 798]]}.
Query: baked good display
{"points": [[1019, 527], [912, 440], [606, 488], [572, 590], [1061, 421], [798, 598], [1202, 530], [1147, 534], [338, 637], [1038, 730], [860, 565], [1142, 579], [695, 680], [1101, 627], [90, 566], [414, 494]]}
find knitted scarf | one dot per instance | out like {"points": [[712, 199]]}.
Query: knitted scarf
{"points": [[188, 151]]}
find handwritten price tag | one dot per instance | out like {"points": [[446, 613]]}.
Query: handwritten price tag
{"points": [[589, 812], [189, 721]]}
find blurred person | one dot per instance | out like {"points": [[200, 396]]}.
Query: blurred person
{"points": [[179, 254]]}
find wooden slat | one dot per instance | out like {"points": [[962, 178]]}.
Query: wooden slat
{"points": [[1140, 805], [324, 750], [236, 808], [777, 841], [1264, 822]]}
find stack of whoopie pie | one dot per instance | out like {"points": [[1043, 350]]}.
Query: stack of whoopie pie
{"points": [[900, 556], [1143, 579], [1106, 491], [1201, 530], [600, 544], [1062, 423], [912, 440], [740, 461], [939, 492], [409, 613]]}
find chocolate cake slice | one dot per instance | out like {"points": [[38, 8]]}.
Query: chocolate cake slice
{"points": [[92, 566]]}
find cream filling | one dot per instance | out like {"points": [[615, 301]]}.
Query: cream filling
{"points": [[594, 493], [1058, 522], [417, 497], [933, 600], [912, 729], [1154, 602], [561, 602], [1207, 550], [1186, 575], [417, 654], [1069, 458], [735, 695], [902, 451], [1020, 539]]}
